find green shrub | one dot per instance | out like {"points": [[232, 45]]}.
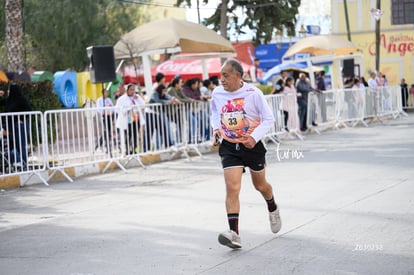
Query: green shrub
{"points": [[266, 89]]}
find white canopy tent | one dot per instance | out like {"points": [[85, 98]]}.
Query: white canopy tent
{"points": [[170, 36], [322, 48]]}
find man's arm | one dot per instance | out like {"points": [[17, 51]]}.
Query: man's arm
{"points": [[266, 120]]}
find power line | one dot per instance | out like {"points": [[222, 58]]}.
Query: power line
{"points": [[146, 3]]}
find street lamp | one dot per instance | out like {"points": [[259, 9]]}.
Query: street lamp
{"points": [[376, 13]]}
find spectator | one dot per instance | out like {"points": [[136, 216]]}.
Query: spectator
{"points": [[291, 103], [159, 79], [207, 88], [372, 94], [380, 79], [283, 75], [320, 85], [280, 89], [352, 97], [16, 126], [404, 93], [120, 91], [177, 92], [107, 117], [191, 89], [364, 82], [256, 72], [304, 88], [372, 82], [130, 118], [199, 127], [411, 98], [215, 81], [386, 95], [160, 96]]}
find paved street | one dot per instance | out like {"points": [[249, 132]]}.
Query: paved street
{"points": [[346, 199]]}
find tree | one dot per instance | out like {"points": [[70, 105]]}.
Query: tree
{"points": [[260, 16], [57, 33], [14, 35]]}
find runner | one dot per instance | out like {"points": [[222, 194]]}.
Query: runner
{"points": [[240, 118]]}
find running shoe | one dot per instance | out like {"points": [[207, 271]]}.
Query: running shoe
{"points": [[230, 239], [275, 222]]}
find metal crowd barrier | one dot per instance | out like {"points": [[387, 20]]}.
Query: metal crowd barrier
{"points": [[383, 101], [121, 135], [285, 112], [22, 145], [73, 135], [352, 106], [61, 139], [322, 110]]}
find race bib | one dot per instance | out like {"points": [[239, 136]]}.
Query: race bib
{"points": [[234, 120]]}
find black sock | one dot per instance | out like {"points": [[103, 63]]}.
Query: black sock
{"points": [[234, 222], [271, 205]]}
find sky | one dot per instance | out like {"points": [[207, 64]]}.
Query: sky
{"points": [[308, 15]]}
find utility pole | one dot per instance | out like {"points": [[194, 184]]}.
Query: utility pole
{"points": [[223, 18], [347, 21], [198, 11], [377, 39]]}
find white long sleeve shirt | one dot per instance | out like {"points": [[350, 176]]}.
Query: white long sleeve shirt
{"points": [[127, 105], [101, 103], [241, 113]]}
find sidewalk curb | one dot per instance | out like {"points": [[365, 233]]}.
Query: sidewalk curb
{"points": [[17, 181]]}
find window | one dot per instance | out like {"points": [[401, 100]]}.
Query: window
{"points": [[402, 12]]}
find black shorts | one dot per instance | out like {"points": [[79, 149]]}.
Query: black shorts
{"points": [[237, 155]]}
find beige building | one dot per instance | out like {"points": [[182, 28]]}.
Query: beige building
{"points": [[396, 30]]}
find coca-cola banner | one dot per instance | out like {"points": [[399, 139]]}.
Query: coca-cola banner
{"points": [[186, 68]]}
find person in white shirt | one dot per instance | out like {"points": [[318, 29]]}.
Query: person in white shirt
{"points": [[372, 82], [255, 72], [207, 88], [373, 93], [240, 117], [130, 118], [106, 113]]}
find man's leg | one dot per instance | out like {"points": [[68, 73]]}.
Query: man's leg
{"points": [[261, 185], [302, 114], [232, 177]]}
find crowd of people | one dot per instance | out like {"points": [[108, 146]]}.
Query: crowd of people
{"points": [[146, 127], [140, 116], [407, 94], [301, 87]]}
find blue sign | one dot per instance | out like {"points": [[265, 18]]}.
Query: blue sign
{"points": [[270, 55], [313, 29]]}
